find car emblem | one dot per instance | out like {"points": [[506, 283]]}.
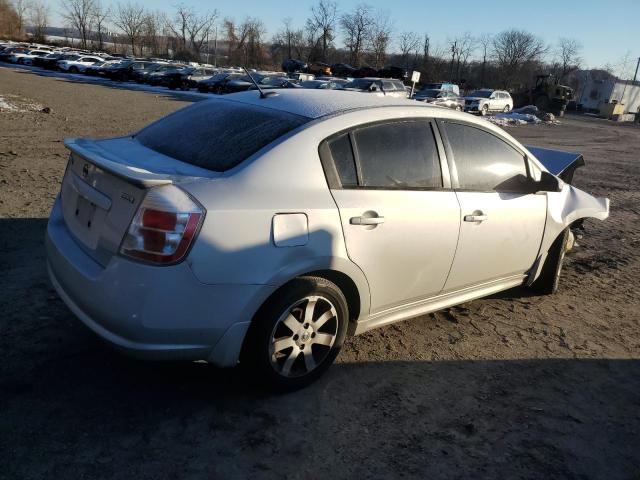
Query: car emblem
{"points": [[85, 170]]}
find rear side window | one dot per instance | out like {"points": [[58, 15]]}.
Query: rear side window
{"points": [[217, 135], [343, 160], [398, 155], [483, 161]]}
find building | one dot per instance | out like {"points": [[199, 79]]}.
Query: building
{"points": [[595, 93]]}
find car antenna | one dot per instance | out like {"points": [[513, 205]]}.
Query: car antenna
{"points": [[263, 94]]}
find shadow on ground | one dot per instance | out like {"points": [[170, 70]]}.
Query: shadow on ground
{"points": [[73, 408]]}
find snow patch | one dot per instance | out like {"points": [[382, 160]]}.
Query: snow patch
{"points": [[18, 105]]}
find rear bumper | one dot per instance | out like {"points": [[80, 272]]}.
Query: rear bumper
{"points": [[158, 313]]}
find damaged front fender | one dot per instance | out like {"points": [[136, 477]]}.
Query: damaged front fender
{"points": [[563, 209]]}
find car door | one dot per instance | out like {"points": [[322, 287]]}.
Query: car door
{"points": [[501, 224], [400, 218]]}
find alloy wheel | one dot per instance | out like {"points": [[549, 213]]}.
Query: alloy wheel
{"points": [[303, 336]]}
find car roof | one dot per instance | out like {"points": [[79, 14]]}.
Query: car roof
{"points": [[320, 103]]}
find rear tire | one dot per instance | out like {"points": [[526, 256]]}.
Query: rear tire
{"points": [[549, 279], [296, 335]]}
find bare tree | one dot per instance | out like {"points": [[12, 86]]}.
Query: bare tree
{"points": [[484, 41], [179, 25], [100, 16], [130, 18], [321, 27], [379, 39], [357, 26], [199, 27], [466, 46], [426, 46], [39, 19], [288, 42], [245, 41], [514, 48], [21, 8], [408, 43], [8, 20], [568, 55], [192, 29], [153, 32], [78, 15]]}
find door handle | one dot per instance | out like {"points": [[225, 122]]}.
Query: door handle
{"points": [[366, 220], [475, 218]]}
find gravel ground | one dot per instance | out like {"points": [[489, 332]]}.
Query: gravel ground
{"points": [[513, 386]]}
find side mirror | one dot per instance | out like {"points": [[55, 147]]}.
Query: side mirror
{"points": [[548, 183]]}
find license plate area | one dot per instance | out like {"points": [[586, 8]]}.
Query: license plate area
{"points": [[84, 212]]}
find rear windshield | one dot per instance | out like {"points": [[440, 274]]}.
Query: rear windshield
{"points": [[217, 135]]}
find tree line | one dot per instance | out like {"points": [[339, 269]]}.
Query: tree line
{"points": [[359, 37]]}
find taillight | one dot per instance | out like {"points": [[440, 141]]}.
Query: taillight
{"points": [[164, 226]]}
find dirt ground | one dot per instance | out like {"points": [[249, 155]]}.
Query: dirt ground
{"points": [[513, 386]]}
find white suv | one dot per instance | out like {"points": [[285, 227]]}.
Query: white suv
{"points": [[486, 100]]}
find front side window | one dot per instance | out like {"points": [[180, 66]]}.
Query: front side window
{"points": [[398, 155], [483, 161]]}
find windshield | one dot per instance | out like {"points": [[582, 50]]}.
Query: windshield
{"points": [[359, 83], [272, 81], [217, 134], [482, 93], [429, 92]]}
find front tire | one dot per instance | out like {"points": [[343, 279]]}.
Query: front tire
{"points": [[484, 111], [549, 279], [297, 334]]}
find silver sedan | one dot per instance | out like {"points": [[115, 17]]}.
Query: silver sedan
{"points": [[264, 229]]}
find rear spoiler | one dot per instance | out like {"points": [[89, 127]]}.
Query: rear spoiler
{"points": [[89, 151], [562, 164]]}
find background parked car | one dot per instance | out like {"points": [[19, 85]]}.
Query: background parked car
{"points": [[241, 83], [393, 72], [123, 71], [342, 69], [442, 98], [187, 77], [319, 68], [26, 58], [487, 100], [272, 82], [364, 72], [451, 87], [99, 69], [321, 84], [291, 65], [380, 86], [79, 65], [216, 83]]}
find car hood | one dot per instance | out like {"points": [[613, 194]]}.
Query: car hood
{"points": [[559, 162]]}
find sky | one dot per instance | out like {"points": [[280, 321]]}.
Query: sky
{"points": [[607, 30]]}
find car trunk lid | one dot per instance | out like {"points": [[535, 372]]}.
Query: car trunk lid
{"points": [[104, 184]]}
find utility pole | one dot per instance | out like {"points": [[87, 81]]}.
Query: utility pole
{"points": [[635, 75], [215, 47]]}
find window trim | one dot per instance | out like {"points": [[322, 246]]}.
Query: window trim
{"points": [[451, 157], [331, 173]]}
